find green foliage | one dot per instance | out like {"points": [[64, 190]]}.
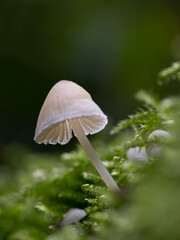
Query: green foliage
{"points": [[38, 189], [142, 118], [170, 73]]}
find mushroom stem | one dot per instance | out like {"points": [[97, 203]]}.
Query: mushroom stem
{"points": [[103, 172]]}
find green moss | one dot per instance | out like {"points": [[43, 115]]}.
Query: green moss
{"points": [[38, 189]]}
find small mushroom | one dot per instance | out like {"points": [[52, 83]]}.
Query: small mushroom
{"points": [[154, 147], [137, 153], [74, 215], [69, 107]]}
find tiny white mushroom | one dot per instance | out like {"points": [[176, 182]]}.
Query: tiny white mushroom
{"points": [[74, 215], [137, 153], [69, 107], [157, 135], [153, 148]]}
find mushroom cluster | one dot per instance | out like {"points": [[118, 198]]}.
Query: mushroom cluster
{"points": [[69, 108]]}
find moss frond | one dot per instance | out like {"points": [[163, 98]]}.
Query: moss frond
{"points": [[170, 73]]}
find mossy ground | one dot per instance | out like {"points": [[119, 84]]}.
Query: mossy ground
{"points": [[38, 189]]}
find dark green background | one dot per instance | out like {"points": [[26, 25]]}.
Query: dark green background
{"points": [[111, 48]]}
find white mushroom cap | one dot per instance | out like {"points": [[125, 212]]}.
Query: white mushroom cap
{"points": [[154, 149], [67, 100], [74, 215], [158, 135], [137, 153]]}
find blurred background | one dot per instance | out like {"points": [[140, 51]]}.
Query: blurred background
{"points": [[111, 48]]}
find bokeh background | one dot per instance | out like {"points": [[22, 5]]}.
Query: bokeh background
{"points": [[111, 48]]}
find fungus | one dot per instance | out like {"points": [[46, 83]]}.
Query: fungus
{"points": [[74, 215], [154, 147], [68, 107], [137, 153]]}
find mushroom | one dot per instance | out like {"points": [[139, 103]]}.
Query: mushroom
{"points": [[74, 215], [69, 107], [154, 148], [137, 153]]}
